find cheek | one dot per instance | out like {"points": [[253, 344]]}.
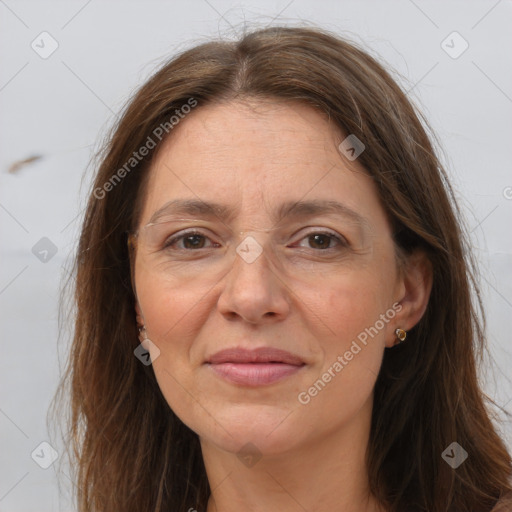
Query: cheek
{"points": [[352, 353], [172, 315], [170, 308], [359, 332], [357, 311], [349, 303]]}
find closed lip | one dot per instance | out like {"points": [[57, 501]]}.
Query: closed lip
{"points": [[255, 355]]}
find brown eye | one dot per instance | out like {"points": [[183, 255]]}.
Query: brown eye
{"points": [[324, 240], [320, 241], [193, 241], [190, 240]]}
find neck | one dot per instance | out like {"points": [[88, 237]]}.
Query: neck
{"points": [[328, 473]]}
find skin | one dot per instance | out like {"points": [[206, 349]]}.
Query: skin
{"points": [[295, 296]]}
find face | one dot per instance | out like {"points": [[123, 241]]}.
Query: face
{"points": [[295, 254]]}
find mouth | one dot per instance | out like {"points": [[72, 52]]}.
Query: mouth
{"points": [[256, 367]]}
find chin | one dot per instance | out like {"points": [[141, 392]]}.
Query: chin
{"points": [[268, 430]]}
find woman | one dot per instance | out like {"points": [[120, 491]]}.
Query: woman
{"points": [[273, 297]]}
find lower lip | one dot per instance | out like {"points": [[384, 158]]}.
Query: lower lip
{"points": [[254, 374]]}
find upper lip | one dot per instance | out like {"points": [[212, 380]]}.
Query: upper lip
{"points": [[255, 355]]}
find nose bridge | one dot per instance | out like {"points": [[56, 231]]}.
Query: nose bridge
{"points": [[252, 289], [251, 262]]}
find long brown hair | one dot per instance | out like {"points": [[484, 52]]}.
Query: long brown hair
{"points": [[130, 451]]}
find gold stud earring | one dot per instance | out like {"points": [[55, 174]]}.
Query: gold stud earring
{"points": [[401, 335]]}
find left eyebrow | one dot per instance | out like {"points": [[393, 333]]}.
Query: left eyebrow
{"points": [[289, 209], [300, 209]]}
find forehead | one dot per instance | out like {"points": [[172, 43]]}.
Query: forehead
{"points": [[251, 134], [265, 131], [253, 152]]}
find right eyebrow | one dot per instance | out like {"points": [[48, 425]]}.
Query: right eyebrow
{"points": [[192, 207]]}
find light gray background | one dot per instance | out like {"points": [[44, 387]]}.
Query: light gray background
{"points": [[59, 107]]}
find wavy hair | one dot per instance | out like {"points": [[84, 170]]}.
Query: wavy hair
{"points": [[130, 451]]}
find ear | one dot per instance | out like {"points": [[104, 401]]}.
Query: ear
{"points": [[138, 311], [414, 292]]}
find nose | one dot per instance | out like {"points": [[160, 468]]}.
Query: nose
{"points": [[253, 291]]}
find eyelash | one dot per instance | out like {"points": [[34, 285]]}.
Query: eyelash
{"points": [[171, 241]]}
